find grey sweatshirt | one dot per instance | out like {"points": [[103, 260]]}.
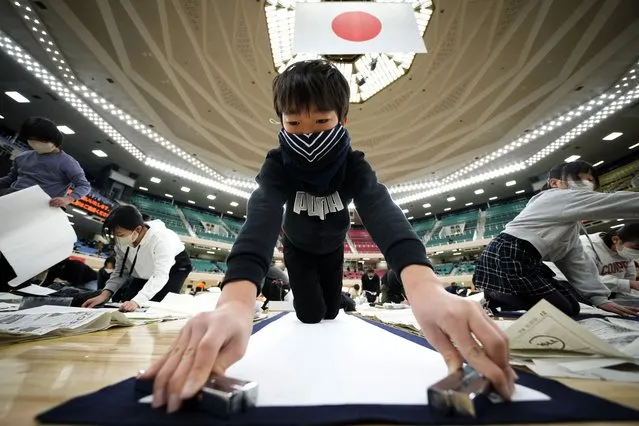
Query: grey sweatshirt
{"points": [[550, 222]]}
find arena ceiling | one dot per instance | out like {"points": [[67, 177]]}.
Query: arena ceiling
{"points": [[200, 72]]}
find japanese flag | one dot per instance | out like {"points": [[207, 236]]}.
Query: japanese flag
{"points": [[330, 28]]}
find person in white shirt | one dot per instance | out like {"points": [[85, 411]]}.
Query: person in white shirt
{"points": [[147, 255], [615, 254]]}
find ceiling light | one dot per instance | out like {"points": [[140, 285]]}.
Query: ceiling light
{"points": [[71, 223], [469, 204], [450, 199], [612, 136], [210, 197], [244, 216], [411, 218], [598, 163], [143, 188], [428, 213], [1, 117], [99, 153], [616, 226], [479, 191], [190, 201], [352, 223], [619, 220], [229, 212], [572, 158], [156, 180], [66, 130], [492, 198], [185, 189], [168, 195], [405, 211], [234, 204], [17, 96], [521, 191], [511, 183], [70, 215], [79, 212], [447, 209], [426, 205], [211, 207], [634, 146], [210, 252]]}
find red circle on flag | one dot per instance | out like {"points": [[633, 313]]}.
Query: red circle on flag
{"points": [[356, 26]]}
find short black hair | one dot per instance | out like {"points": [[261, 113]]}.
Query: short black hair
{"points": [[628, 234], [110, 259], [572, 171], [127, 217], [316, 82], [40, 129]]}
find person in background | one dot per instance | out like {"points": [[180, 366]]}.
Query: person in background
{"points": [[76, 273], [370, 285], [615, 254], [354, 291], [149, 254], [452, 288], [276, 285], [46, 165], [316, 174], [392, 288], [105, 272], [510, 270]]}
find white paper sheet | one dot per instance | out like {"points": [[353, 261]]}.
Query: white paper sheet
{"points": [[546, 328], [330, 363], [36, 290], [33, 236]]}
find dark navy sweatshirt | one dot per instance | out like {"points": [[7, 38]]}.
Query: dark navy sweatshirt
{"points": [[317, 222]]}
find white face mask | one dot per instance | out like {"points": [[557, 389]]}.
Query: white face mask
{"points": [[124, 242], [108, 270], [628, 253], [41, 147], [584, 185]]}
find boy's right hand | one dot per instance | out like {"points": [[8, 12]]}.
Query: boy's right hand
{"points": [[208, 344]]}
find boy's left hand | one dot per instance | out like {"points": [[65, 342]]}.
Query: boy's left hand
{"points": [[61, 201], [459, 329]]}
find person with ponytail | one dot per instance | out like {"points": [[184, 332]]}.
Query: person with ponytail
{"points": [[511, 271]]}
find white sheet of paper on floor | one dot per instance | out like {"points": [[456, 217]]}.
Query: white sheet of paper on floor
{"points": [[185, 303], [322, 357], [33, 236], [37, 290], [545, 327]]}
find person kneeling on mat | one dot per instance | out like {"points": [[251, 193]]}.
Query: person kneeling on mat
{"points": [[149, 254], [316, 174], [511, 271]]}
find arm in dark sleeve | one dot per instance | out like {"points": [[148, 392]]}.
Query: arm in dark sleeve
{"points": [[75, 174], [252, 251], [385, 221], [6, 181]]}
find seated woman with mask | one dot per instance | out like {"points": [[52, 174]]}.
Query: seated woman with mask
{"points": [[615, 254], [148, 255]]}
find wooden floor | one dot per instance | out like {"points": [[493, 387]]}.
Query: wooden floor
{"points": [[39, 375]]}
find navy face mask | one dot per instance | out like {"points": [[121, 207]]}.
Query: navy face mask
{"points": [[315, 158]]}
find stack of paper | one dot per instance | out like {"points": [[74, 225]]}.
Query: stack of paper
{"points": [[552, 344], [46, 322]]}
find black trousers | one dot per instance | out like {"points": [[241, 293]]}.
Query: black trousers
{"points": [[316, 282], [564, 302], [177, 275]]}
